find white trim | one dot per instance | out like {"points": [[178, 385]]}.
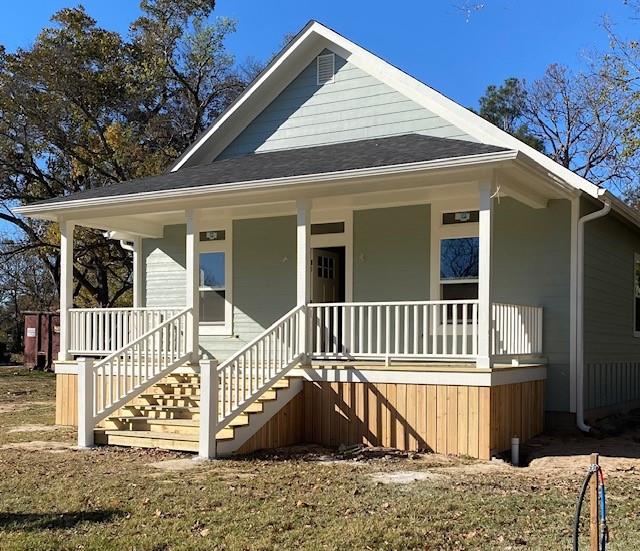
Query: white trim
{"points": [[303, 252], [65, 368], [66, 286], [485, 233], [138, 273], [264, 184], [476, 377], [222, 246], [192, 268]]}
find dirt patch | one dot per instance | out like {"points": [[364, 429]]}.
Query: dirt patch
{"points": [[36, 428], [40, 446], [405, 477], [20, 406], [177, 465]]}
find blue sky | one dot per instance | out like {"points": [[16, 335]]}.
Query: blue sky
{"points": [[431, 39]]}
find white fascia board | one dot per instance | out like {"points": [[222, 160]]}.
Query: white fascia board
{"points": [[53, 210]]}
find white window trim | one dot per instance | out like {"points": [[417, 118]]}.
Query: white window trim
{"points": [[440, 231], [226, 247], [636, 260]]}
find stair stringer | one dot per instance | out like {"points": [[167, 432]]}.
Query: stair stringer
{"points": [[225, 448]]}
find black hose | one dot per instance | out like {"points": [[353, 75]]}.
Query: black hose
{"points": [[576, 523]]}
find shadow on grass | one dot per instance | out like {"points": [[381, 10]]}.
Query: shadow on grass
{"points": [[55, 521]]}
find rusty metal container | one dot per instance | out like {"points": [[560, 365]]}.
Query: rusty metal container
{"points": [[41, 339]]}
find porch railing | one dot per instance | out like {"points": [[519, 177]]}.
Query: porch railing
{"points": [[516, 329], [411, 330], [102, 331], [428, 330]]}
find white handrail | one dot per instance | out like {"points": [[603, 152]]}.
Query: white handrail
{"points": [[412, 330], [254, 368], [128, 371]]}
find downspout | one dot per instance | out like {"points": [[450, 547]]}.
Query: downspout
{"points": [[580, 313]]}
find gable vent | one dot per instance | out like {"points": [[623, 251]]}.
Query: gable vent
{"points": [[326, 68]]}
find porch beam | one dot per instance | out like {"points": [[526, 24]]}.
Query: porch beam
{"points": [[193, 282], [485, 232], [303, 252], [525, 196], [66, 287], [128, 225]]}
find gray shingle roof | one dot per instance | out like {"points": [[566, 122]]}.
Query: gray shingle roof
{"points": [[379, 152]]}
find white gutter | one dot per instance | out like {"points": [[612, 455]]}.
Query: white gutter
{"points": [[125, 243], [579, 344]]}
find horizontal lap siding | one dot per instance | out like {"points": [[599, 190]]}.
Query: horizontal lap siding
{"points": [[612, 353], [531, 265], [263, 276], [391, 253], [355, 106]]}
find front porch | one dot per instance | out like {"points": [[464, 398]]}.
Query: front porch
{"points": [[202, 351]]}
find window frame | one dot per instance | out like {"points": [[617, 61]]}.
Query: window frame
{"points": [[222, 246], [463, 230], [636, 261]]}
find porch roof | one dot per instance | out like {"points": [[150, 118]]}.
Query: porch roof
{"points": [[362, 154]]}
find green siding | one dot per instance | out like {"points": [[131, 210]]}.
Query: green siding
{"points": [[164, 268], [264, 277], [391, 253], [612, 353], [355, 106], [531, 265]]}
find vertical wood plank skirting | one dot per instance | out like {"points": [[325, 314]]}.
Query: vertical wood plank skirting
{"points": [[66, 399], [457, 420]]}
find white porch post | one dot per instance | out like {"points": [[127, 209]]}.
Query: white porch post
{"points": [[193, 283], [66, 287], [137, 272], [303, 257], [484, 274], [85, 402], [208, 408]]}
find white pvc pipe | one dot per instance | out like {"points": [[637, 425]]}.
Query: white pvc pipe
{"points": [[580, 315], [515, 451]]}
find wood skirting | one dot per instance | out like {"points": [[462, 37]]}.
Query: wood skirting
{"points": [[66, 399], [458, 420]]}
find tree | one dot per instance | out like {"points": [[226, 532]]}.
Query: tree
{"points": [[85, 107], [505, 106], [579, 120]]}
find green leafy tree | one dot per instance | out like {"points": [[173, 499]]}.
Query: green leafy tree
{"points": [[505, 106], [86, 107]]}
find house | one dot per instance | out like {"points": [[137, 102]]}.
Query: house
{"points": [[347, 255]]}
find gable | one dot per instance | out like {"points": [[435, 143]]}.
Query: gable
{"points": [[354, 106]]}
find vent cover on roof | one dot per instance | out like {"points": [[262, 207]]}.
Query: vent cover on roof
{"points": [[326, 68]]}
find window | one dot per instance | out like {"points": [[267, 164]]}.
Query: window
{"points": [[327, 228], [636, 295], [212, 287], [459, 268], [216, 309]]}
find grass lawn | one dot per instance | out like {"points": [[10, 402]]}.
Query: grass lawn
{"points": [[54, 497]]}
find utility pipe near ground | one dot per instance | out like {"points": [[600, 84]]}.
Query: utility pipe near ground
{"points": [[579, 344]]}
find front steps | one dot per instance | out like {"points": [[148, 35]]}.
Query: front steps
{"points": [[167, 416]]}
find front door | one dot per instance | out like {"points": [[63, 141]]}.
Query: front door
{"points": [[327, 276], [328, 285]]}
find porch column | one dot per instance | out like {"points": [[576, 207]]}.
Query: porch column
{"points": [[303, 261], [66, 286], [137, 272], [303, 253], [484, 274], [193, 283]]}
